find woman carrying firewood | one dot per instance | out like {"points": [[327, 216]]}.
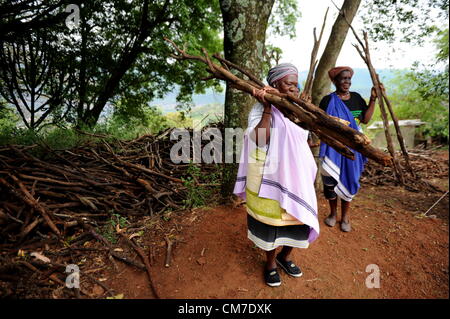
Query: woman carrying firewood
{"points": [[340, 175], [276, 178]]}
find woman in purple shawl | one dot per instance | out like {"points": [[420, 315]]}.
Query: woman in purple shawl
{"points": [[276, 178]]}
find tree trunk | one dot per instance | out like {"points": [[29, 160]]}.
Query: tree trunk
{"points": [[82, 86], [245, 24], [322, 83]]}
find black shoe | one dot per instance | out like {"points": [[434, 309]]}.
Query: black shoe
{"points": [[290, 268], [272, 277]]}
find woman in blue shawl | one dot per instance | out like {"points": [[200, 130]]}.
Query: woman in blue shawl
{"points": [[340, 175]]}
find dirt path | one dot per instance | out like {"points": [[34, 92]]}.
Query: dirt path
{"points": [[411, 253]]}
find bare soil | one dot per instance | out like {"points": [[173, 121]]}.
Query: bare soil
{"points": [[212, 257]]}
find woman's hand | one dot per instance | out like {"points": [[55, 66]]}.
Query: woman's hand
{"points": [[373, 94], [306, 97]]}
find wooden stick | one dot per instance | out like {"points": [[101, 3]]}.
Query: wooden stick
{"points": [[401, 141], [29, 200], [240, 69], [436, 202], [145, 260], [50, 180], [140, 167], [307, 91], [169, 252]]}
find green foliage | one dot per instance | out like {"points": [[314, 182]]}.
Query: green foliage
{"points": [[109, 229], [410, 103], [178, 119], [59, 138], [404, 20], [8, 123], [282, 22], [199, 195], [442, 45], [196, 195], [128, 124], [284, 18]]}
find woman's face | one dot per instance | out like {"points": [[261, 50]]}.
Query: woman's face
{"points": [[343, 81], [288, 84]]}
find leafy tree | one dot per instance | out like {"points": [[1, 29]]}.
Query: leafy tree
{"points": [[33, 77], [433, 79], [134, 64], [404, 20], [19, 17], [118, 55]]}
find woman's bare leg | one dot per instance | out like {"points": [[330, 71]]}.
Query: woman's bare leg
{"points": [[345, 207], [345, 221], [331, 219], [271, 264], [285, 252]]}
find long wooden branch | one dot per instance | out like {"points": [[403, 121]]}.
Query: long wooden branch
{"points": [[146, 263], [303, 113], [30, 201], [307, 91], [401, 140]]}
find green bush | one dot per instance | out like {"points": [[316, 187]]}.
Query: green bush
{"points": [[200, 195], [125, 126], [8, 123], [409, 102], [119, 126]]}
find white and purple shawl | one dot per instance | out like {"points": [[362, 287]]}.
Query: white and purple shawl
{"points": [[289, 171]]}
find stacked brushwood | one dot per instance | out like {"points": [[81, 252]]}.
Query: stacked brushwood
{"points": [[427, 164], [54, 193]]}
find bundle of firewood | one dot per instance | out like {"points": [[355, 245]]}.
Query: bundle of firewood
{"points": [[342, 138]]}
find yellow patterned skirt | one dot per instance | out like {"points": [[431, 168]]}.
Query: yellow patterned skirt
{"points": [[265, 210]]}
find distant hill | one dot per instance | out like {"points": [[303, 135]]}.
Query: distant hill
{"points": [[169, 102], [212, 102]]}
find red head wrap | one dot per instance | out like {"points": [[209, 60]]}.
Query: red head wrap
{"points": [[333, 73]]}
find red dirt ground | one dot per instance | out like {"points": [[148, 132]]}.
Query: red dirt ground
{"points": [[411, 251]]}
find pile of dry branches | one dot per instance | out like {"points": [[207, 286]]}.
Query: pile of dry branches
{"points": [[87, 185], [427, 165], [77, 193]]}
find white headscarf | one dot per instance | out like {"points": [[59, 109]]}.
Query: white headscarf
{"points": [[280, 71]]}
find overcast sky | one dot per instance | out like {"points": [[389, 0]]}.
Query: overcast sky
{"points": [[298, 51]]}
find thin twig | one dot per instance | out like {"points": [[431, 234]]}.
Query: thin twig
{"points": [[436, 202]]}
